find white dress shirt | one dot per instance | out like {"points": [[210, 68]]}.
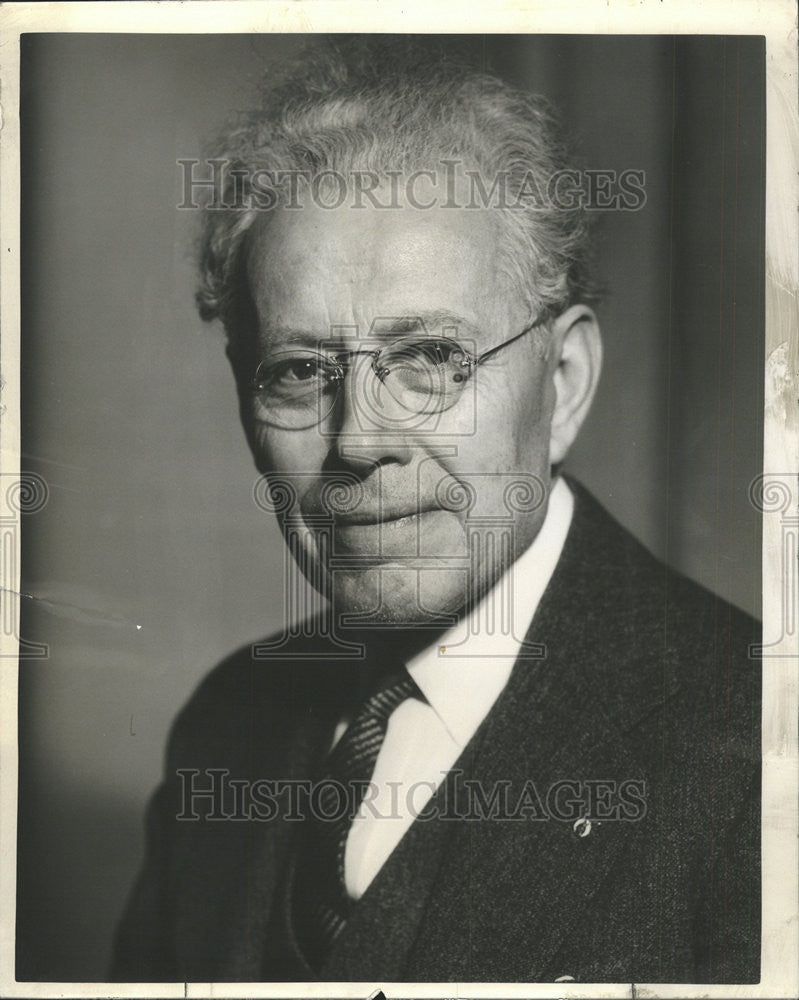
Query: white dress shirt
{"points": [[461, 677]]}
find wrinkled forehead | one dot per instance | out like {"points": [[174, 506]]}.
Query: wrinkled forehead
{"points": [[313, 267]]}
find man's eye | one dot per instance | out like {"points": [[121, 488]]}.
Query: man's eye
{"points": [[291, 373], [296, 370], [433, 352], [436, 352]]}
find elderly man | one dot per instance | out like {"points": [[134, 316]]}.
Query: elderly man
{"points": [[513, 746]]}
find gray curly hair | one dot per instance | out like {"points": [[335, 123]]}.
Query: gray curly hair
{"points": [[396, 104]]}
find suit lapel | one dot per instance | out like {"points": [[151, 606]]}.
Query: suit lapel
{"points": [[504, 879]]}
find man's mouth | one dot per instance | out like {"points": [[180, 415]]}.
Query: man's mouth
{"points": [[398, 535], [387, 517]]}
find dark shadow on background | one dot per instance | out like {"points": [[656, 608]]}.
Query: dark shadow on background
{"points": [[129, 412]]}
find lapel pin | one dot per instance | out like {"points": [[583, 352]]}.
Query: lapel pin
{"points": [[582, 826]]}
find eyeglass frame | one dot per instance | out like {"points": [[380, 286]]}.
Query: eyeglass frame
{"points": [[342, 362]]}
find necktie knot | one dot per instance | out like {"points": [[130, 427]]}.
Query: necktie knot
{"points": [[383, 702], [355, 753]]}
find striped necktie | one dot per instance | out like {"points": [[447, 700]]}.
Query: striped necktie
{"points": [[320, 902]]}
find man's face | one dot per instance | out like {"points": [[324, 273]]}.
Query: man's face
{"points": [[405, 548]]}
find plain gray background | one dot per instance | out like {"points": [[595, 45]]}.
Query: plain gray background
{"points": [[129, 409]]}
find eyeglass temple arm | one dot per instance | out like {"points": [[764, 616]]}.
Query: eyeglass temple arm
{"points": [[506, 343]]}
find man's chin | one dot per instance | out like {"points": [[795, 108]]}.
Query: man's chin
{"points": [[398, 595]]}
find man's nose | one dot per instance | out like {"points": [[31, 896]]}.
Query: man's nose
{"points": [[369, 427]]}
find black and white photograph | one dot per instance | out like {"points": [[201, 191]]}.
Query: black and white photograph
{"points": [[400, 512]]}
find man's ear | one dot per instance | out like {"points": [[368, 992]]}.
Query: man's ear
{"points": [[579, 344]]}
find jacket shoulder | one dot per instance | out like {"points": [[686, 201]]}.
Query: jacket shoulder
{"points": [[255, 694], [640, 590], [651, 632]]}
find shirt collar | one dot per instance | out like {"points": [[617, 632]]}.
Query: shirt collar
{"points": [[462, 675]]}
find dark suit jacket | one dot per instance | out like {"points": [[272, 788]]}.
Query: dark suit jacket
{"points": [[646, 677]]}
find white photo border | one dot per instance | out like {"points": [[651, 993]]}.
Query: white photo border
{"points": [[775, 20]]}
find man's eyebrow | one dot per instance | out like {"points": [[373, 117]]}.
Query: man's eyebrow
{"points": [[399, 323], [415, 322], [288, 336]]}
